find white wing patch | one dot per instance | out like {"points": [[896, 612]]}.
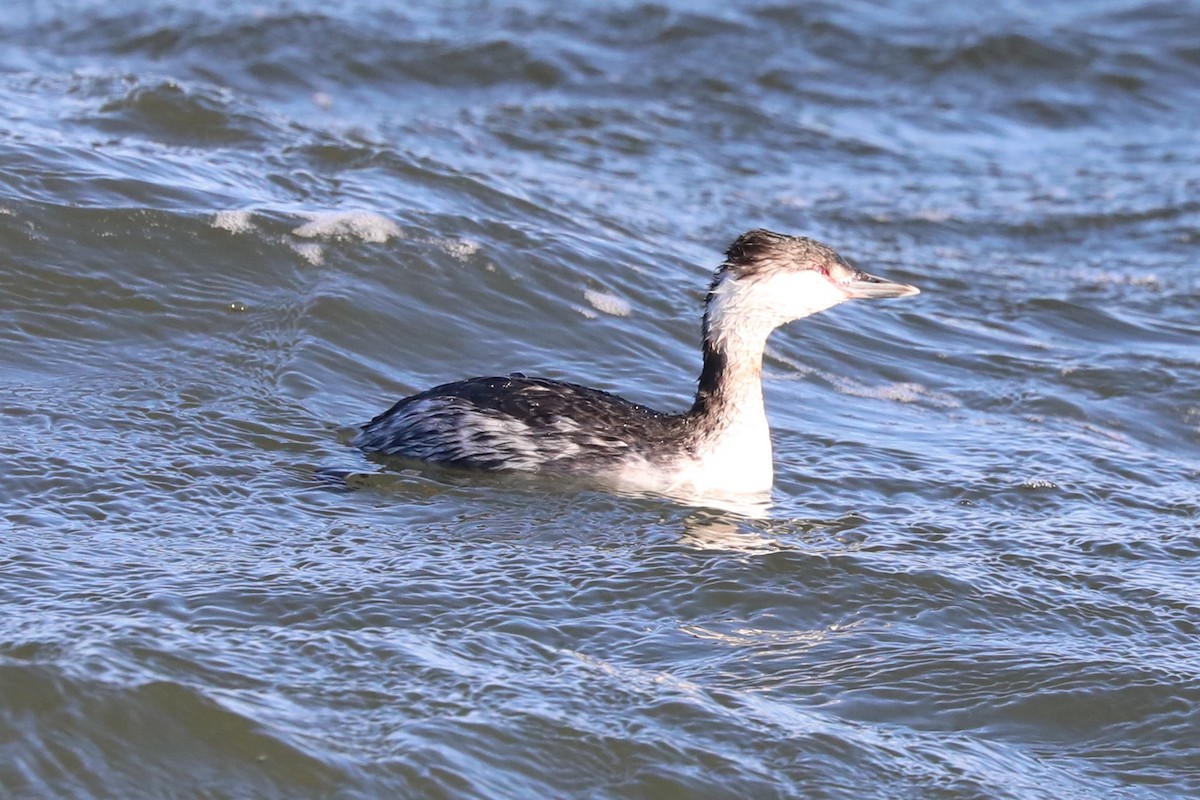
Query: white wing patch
{"points": [[445, 429]]}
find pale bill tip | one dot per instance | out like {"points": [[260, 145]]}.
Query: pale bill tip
{"points": [[869, 287]]}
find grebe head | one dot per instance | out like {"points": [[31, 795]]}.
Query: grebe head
{"points": [[769, 279]]}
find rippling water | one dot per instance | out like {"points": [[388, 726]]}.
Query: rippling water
{"points": [[231, 232]]}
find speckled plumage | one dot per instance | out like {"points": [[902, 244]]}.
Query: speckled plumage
{"points": [[719, 447], [520, 423]]}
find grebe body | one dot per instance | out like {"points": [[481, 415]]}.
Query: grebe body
{"points": [[719, 447]]}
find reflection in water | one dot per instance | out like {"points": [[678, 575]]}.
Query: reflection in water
{"points": [[760, 533]]}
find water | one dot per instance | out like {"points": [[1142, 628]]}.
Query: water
{"points": [[230, 232]]}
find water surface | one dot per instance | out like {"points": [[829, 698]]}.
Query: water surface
{"points": [[230, 232]]}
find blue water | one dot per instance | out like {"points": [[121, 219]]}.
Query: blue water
{"points": [[230, 233]]}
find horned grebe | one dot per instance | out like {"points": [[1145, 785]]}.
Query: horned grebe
{"points": [[720, 447]]}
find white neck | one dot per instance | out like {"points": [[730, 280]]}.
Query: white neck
{"points": [[733, 439]]}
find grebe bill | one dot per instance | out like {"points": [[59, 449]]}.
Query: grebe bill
{"points": [[720, 447]]}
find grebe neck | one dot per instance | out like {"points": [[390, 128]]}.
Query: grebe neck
{"points": [[735, 331], [728, 379], [728, 426]]}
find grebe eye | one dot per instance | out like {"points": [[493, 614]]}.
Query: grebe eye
{"points": [[823, 270]]}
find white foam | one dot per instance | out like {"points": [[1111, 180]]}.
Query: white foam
{"points": [[459, 249], [1104, 278], [608, 303], [902, 392], [362, 225], [311, 252], [233, 220]]}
